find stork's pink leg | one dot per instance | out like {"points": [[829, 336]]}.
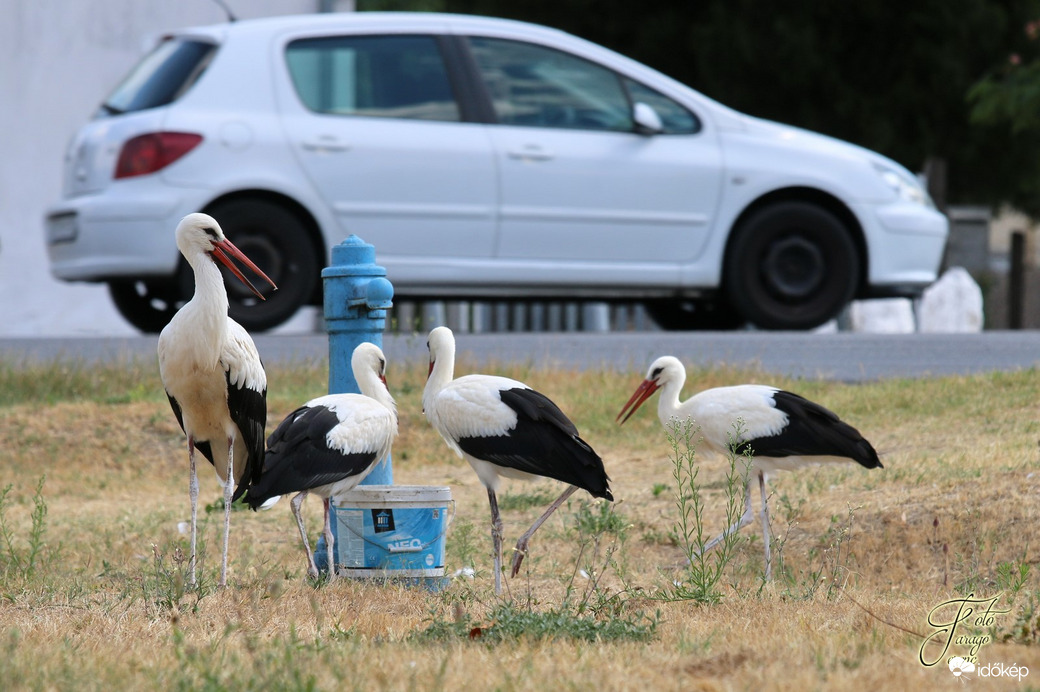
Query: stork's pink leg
{"points": [[229, 489], [521, 545], [765, 526], [193, 493], [329, 540], [296, 504], [496, 537], [746, 518]]}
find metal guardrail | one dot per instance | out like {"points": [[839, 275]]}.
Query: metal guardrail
{"points": [[517, 316]]}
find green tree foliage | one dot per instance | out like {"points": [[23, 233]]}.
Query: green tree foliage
{"points": [[1007, 99], [893, 76]]}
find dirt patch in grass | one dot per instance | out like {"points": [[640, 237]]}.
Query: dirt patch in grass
{"points": [[952, 515]]}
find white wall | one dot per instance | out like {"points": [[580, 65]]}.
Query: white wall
{"points": [[58, 60]]}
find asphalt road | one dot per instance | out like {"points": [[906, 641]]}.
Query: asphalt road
{"points": [[843, 356]]}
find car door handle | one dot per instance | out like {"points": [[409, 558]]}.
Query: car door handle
{"points": [[325, 144], [531, 152]]}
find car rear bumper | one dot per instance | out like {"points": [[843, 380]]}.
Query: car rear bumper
{"points": [[99, 237]]}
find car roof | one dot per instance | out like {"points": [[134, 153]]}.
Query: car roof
{"points": [[398, 21], [262, 29]]}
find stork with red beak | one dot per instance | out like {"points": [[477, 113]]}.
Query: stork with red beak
{"points": [[213, 375], [328, 446], [505, 429], [783, 431]]}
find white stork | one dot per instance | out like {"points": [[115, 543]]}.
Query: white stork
{"points": [[328, 445], [784, 431], [213, 375], [503, 428]]}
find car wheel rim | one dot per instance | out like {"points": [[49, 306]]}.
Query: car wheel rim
{"points": [[266, 255], [793, 267]]}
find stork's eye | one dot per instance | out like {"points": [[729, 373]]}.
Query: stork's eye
{"points": [[656, 373], [211, 232]]}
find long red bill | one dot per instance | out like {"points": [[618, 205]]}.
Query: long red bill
{"points": [[642, 393], [223, 249]]}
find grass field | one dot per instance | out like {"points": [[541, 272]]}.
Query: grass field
{"points": [[91, 559]]}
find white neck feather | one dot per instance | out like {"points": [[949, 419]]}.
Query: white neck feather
{"points": [[443, 370], [208, 308], [668, 406], [373, 387]]}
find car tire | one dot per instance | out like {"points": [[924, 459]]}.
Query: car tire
{"points": [[147, 304], [791, 265], [278, 242], [679, 315]]}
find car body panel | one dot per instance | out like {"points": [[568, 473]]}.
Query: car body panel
{"points": [[472, 208]]}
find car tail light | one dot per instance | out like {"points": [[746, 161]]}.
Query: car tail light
{"points": [[153, 152]]}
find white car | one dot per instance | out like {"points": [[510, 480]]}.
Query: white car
{"points": [[484, 159]]}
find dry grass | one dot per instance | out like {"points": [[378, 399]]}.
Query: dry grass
{"points": [[101, 610]]}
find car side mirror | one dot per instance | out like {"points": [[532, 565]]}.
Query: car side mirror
{"points": [[647, 121]]}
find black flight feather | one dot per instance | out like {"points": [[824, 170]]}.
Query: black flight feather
{"points": [[298, 457], [813, 430], [544, 443], [248, 409]]}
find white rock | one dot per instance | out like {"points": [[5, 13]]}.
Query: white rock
{"points": [[951, 304], [882, 316]]}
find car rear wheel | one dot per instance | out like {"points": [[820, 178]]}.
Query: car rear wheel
{"points": [[270, 235], [147, 304], [677, 315], [791, 265], [277, 242]]}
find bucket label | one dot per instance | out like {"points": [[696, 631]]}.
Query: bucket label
{"points": [[382, 520], [350, 544], [391, 534]]}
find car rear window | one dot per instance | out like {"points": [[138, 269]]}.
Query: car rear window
{"points": [[161, 76], [375, 76]]}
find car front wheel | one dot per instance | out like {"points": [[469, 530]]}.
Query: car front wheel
{"points": [[791, 265]]}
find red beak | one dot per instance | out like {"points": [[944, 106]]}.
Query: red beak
{"points": [[642, 393], [430, 370], [221, 252]]}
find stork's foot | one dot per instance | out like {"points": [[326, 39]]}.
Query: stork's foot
{"points": [[519, 553]]}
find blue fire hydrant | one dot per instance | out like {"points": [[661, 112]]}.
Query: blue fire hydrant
{"points": [[357, 296]]}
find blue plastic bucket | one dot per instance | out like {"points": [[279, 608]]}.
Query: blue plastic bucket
{"points": [[392, 530]]}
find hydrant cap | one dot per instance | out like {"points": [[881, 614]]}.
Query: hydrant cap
{"points": [[353, 251], [379, 293]]}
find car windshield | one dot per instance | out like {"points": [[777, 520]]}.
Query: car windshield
{"points": [[161, 77]]}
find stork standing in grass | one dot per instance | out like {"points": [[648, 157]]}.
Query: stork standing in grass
{"points": [[782, 430], [328, 445], [503, 428], [213, 375]]}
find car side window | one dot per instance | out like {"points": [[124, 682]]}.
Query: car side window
{"points": [[674, 117], [373, 76], [535, 86]]}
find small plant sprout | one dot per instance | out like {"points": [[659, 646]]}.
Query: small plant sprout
{"points": [[17, 560], [705, 566]]}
